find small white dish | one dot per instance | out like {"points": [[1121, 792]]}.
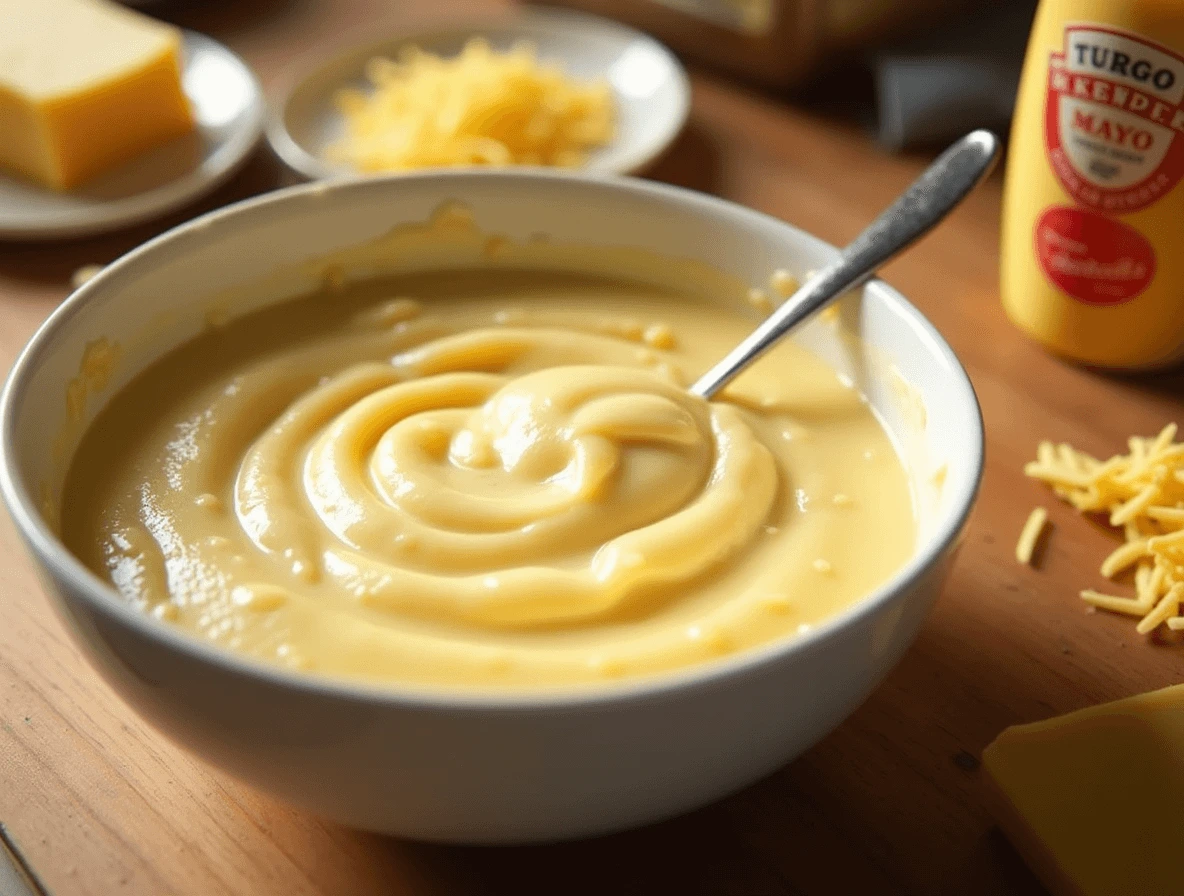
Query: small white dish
{"points": [[650, 87], [228, 105]]}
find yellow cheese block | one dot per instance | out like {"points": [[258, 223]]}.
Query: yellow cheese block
{"points": [[84, 86], [1094, 800]]}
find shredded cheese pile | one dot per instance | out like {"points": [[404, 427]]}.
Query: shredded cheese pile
{"points": [[1143, 495], [478, 108]]}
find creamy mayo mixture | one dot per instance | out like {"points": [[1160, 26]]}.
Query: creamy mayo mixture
{"points": [[487, 480]]}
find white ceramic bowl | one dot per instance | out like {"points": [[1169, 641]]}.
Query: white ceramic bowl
{"points": [[488, 769]]}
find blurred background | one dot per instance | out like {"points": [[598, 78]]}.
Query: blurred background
{"points": [[916, 72], [921, 71]]}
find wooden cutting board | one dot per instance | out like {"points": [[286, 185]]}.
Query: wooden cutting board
{"points": [[93, 801]]}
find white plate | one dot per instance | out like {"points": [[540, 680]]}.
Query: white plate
{"points": [[228, 105], [649, 85]]}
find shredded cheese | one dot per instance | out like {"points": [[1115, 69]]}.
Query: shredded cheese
{"points": [[478, 108], [1142, 495], [1030, 535]]}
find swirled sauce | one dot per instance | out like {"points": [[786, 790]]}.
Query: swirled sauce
{"points": [[487, 480]]}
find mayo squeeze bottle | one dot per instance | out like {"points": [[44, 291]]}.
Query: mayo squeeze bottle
{"points": [[1093, 216]]}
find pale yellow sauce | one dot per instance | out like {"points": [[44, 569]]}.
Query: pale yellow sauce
{"points": [[487, 480]]}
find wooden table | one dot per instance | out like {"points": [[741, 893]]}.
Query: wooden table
{"points": [[93, 801]]}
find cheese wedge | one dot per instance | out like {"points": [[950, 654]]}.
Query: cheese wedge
{"points": [[84, 86], [1094, 800]]}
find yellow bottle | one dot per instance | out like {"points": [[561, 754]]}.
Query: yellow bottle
{"points": [[1093, 215]]}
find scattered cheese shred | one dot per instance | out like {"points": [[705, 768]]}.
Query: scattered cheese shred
{"points": [[478, 108], [1030, 535], [1142, 495], [1115, 604]]}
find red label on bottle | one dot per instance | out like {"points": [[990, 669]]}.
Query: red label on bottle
{"points": [[1095, 259], [1114, 119]]}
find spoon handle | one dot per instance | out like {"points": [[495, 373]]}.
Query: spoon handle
{"points": [[931, 197]]}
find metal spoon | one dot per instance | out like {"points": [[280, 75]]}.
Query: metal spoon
{"points": [[931, 197]]}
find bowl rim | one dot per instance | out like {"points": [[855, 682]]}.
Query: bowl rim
{"points": [[102, 598]]}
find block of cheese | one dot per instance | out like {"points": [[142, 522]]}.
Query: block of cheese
{"points": [[1094, 800], [84, 86]]}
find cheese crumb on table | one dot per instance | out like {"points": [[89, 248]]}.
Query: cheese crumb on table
{"points": [[1030, 535], [1141, 494], [481, 107], [85, 274], [84, 86]]}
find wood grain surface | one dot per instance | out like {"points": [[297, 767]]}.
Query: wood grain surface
{"points": [[95, 802]]}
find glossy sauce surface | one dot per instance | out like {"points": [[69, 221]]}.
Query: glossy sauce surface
{"points": [[487, 480]]}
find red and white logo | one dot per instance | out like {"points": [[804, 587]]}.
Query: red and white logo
{"points": [[1113, 119], [1095, 259]]}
